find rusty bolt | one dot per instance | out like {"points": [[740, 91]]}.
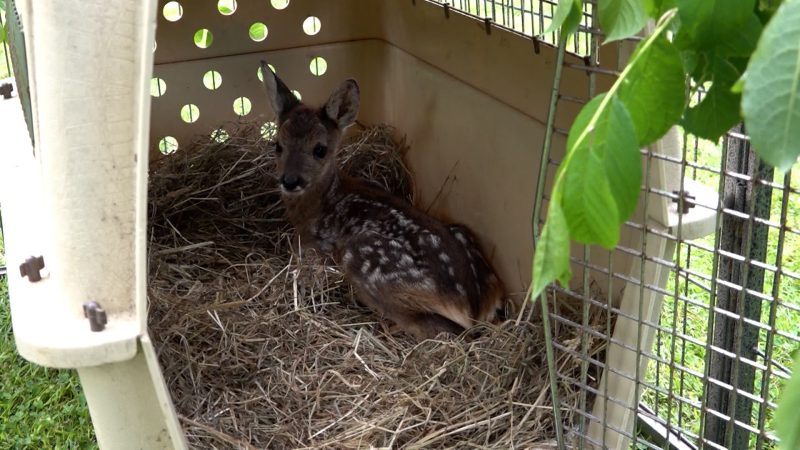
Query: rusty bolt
{"points": [[96, 315], [5, 90], [32, 268], [686, 198]]}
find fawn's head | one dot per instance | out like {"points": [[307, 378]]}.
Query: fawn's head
{"points": [[308, 138]]}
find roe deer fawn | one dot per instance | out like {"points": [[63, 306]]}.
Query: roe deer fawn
{"points": [[424, 276]]}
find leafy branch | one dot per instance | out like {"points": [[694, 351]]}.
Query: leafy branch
{"points": [[745, 55]]}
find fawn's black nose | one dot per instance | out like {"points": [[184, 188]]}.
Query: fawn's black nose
{"points": [[292, 182]]}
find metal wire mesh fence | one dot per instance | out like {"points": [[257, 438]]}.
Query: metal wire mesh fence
{"points": [[531, 18], [704, 315]]}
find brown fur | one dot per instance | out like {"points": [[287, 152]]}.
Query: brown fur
{"points": [[425, 276]]}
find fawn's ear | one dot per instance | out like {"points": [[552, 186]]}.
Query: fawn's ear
{"points": [[280, 97], [342, 106]]}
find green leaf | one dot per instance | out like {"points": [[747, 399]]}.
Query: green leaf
{"points": [[744, 42], [715, 115], [620, 19], [656, 8], [766, 8], [654, 91], [551, 261], [602, 179], [568, 14], [771, 97], [718, 111], [3, 34], [706, 23], [787, 420], [621, 163], [590, 209]]}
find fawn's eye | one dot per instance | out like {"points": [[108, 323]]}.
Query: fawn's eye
{"points": [[278, 149], [320, 151]]}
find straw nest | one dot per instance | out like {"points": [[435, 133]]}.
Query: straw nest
{"points": [[263, 347]]}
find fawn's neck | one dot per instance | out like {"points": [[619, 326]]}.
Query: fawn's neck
{"points": [[304, 209]]}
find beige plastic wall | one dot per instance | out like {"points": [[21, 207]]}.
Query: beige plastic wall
{"points": [[472, 104]]}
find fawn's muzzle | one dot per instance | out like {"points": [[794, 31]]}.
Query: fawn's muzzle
{"points": [[292, 182]]}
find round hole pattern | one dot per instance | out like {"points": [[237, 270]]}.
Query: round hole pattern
{"points": [[226, 7], [190, 113], [318, 66], [241, 106], [279, 4], [219, 135], [269, 130], [157, 87], [261, 75], [173, 11], [168, 145], [212, 80], [311, 25], [258, 32], [203, 38], [297, 94]]}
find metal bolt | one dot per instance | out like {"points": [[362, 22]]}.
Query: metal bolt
{"points": [[684, 200], [31, 268], [5, 90], [96, 315]]}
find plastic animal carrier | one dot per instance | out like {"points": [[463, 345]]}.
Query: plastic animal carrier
{"points": [[116, 84]]}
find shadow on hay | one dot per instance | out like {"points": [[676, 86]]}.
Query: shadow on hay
{"points": [[263, 347]]}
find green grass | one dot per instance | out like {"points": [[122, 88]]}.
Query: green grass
{"points": [[39, 408]]}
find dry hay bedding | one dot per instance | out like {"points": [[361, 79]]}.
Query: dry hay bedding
{"points": [[263, 347]]}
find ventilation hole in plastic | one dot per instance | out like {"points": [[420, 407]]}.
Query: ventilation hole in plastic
{"points": [[173, 11], [190, 113], [311, 25], [219, 135], [226, 7], [168, 145], [241, 106], [297, 94], [157, 87], [261, 75], [258, 32], [318, 66], [279, 4], [212, 79], [203, 38], [269, 130]]}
